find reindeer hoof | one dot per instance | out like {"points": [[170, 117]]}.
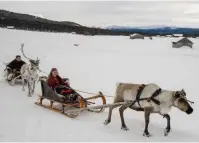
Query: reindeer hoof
{"points": [[166, 132], [12, 82], [145, 134], [124, 128], [106, 122]]}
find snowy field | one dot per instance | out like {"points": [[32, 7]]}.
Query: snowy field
{"points": [[97, 64]]}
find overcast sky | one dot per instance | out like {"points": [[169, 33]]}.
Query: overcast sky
{"points": [[102, 13]]}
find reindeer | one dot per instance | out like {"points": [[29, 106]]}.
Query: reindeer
{"points": [[149, 98], [29, 73]]}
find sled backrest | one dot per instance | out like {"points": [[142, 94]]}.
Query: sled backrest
{"points": [[47, 92]]}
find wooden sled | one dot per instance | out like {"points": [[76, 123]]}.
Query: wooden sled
{"points": [[51, 96], [16, 76]]}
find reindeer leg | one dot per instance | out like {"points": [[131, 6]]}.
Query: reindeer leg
{"points": [[107, 121], [147, 112], [33, 89], [168, 127], [23, 84], [29, 89], [121, 110]]}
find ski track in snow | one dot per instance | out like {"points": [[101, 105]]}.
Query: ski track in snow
{"points": [[97, 64]]}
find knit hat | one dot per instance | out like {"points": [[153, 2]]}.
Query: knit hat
{"points": [[53, 69], [18, 56]]}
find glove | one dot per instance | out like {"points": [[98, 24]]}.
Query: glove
{"points": [[66, 84], [8, 69]]}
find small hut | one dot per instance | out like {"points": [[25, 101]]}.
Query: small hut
{"points": [[182, 42], [177, 35], [10, 27], [136, 36]]}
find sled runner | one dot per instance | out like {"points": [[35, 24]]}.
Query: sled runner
{"points": [[52, 97]]}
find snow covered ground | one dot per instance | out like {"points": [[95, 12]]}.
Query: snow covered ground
{"points": [[98, 63]]}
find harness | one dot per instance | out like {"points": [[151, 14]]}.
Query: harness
{"points": [[141, 88], [139, 92], [156, 93]]}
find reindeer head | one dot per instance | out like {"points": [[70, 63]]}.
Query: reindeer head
{"points": [[181, 102], [34, 63]]}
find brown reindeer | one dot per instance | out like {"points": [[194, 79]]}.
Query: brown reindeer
{"points": [[148, 98]]}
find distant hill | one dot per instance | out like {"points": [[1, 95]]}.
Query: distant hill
{"points": [[28, 17], [161, 30], [40, 23]]}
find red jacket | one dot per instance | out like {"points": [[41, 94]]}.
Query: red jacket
{"points": [[56, 81]]}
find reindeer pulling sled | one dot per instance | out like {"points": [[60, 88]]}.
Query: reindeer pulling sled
{"points": [[149, 98], [52, 97], [27, 74]]}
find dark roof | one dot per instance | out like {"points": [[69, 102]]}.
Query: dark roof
{"points": [[184, 40]]}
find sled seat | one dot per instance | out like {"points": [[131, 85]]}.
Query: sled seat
{"points": [[52, 96], [48, 93]]}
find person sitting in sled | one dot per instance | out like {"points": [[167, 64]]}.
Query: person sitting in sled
{"points": [[61, 87], [13, 68]]}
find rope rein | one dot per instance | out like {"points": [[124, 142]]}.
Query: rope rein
{"points": [[41, 71], [90, 93]]}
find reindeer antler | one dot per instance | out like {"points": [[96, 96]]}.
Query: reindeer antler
{"points": [[22, 45], [38, 59]]}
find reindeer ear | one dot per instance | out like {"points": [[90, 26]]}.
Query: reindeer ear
{"points": [[183, 92], [177, 94]]}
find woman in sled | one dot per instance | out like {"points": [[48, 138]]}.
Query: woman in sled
{"points": [[61, 87]]}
